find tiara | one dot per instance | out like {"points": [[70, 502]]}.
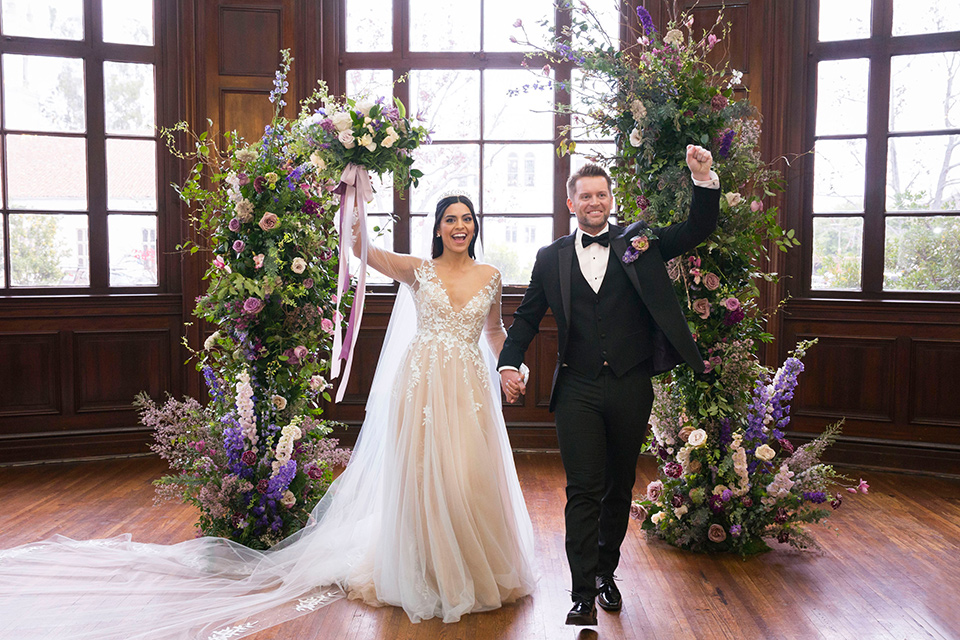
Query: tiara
{"points": [[455, 192]]}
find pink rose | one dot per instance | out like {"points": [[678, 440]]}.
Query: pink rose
{"points": [[731, 303], [701, 307], [252, 305], [268, 221], [300, 352], [641, 243], [711, 281], [637, 512], [716, 533], [756, 205], [654, 490], [327, 325]]}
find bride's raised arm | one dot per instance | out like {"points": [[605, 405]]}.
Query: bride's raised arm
{"points": [[398, 266]]}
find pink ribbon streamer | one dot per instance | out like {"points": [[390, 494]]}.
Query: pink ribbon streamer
{"points": [[355, 191]]}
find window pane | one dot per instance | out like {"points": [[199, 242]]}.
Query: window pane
{"points": [[48, 250], [607, 32], [441, 25], [923, 173], [43, 93], [511, 244], [592, 153], [837, 247], [369, 25], [587, 91], [421, 233], [131, 175], [842, 96], [129, 98], [370, 83], [839, 175], [525, 116], [445, 167], [133, 250], [128, 21], [449, 100], [382, 194], [922, 254], [925, 16], [47, 173], [60, 19], [518, 178], [499, 16], [844, 19], [924, 93]]}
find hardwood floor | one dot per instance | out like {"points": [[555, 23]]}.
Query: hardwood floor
{"points": [[890, 566]]}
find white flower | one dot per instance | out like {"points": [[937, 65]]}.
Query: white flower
{"points": [[366, 140], [211, 340], [680, 511], [697, 437], [733, 198], [246, 155], [638, 110], [764, 452], [317, 161], [673, 37], [735, 78], [636, 137], [392, 137], [317, 383], [657, 517], [342, 121], [288, 499], [299, 265], [346, 139], [233, 180], [364, 107], [279, 402]]}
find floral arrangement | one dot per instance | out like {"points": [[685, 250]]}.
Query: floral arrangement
{"points": [[658, 93], [257, 458]]}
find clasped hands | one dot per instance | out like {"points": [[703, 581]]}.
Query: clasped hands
{"points": [[513, 384]]}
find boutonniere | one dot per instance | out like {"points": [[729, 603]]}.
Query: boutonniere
{"points": [[638, 244]]}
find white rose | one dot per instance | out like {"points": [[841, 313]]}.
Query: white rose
{"points": [[697, 437], [364, 107], [279, 402], [317, 161], [347, 140], [342, 121], [680, 511], [299, 265], [733, 198], [366, 140], [657, 517], [317, 383], [211, 340], [636, 137], [764, 452], [288, 499]]}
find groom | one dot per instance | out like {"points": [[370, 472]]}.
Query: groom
{"points": [[619, 323]]}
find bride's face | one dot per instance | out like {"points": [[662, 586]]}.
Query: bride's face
{"points": [[456, 228]]}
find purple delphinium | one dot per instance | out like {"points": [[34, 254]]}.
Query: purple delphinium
{"points": [[646, 21], [279, 483], [213, 384], [725, 143], [816, 497]]}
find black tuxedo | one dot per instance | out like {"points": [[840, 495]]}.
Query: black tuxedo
{"points": [[610, 343]]}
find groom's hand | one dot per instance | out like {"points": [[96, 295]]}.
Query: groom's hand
{"points": [[700, 161], [512, 384]]}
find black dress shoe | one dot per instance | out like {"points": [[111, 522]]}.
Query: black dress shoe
{"points": [[608, 595], [583, 613]]}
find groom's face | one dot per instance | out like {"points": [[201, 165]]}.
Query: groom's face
{"points": [[591, 203]]}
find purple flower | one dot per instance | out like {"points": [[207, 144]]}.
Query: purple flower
{"points": [[783, 537], [718, 102], [300, 351], [787, 445], [781, 516], [725, 143], [716, 503], [646, 21], [673, 469], [326, 254], [735, 530], [746, 501], [259, 184], [311, 208], [836, 502], [733, 317], [263, 485], [252, 305], [234, 225], [314, 472], [308, 283], [676, 500], [238, 245], [243, 179], [249, 458], [816, 497], [726, 495]]}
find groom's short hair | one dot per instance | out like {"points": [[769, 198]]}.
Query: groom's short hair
{"points": [[587, 171]]}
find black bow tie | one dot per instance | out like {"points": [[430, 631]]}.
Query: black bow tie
{"points": [[603, 239]]}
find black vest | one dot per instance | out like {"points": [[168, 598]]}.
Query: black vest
{"points": [[611, 326]]}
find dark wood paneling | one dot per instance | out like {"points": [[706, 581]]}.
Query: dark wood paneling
{"points": [[933, 400], [250, 40], [30, 375], [246, 112], [833, 381], [112, 367]]}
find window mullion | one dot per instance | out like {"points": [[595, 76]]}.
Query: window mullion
{"points": [[97, 234]]}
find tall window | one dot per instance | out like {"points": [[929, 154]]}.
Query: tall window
{"points": [[494, 133], [884, 200], [78, 145]]}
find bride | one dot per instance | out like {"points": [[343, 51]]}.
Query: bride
{"points": [[428, 515]]}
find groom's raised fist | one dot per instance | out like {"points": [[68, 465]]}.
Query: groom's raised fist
{"points": [[700, 161]]}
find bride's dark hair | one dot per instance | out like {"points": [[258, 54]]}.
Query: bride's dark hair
{"points": [[437, 242]]}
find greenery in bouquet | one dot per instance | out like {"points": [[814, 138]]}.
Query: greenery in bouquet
{"points": [[654, 95]]}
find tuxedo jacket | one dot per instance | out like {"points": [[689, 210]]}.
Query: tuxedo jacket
{"points": [[550, 288]]}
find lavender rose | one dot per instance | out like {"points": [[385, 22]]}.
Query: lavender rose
{"points": [[252, 305], [268, 221], [711, 281], [654, 490], [308, 283], [716, 533], [233, 225], [238, 245], [637, 512], [731, 303], [701, 307]]}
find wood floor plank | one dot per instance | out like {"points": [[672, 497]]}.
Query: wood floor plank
{"points": [[891, 573]]}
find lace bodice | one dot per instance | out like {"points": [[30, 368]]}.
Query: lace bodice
{"points": [[436, 316]]}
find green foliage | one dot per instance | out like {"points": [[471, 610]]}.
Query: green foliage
{"points": [[35, 250]]}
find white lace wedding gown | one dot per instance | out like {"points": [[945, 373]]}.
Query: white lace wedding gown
{"points": [[427, 516]]}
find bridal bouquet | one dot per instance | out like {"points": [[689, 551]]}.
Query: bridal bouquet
{"points": [[655, 95]]}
